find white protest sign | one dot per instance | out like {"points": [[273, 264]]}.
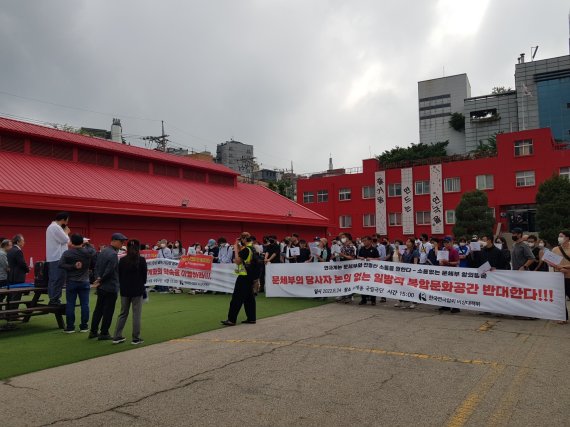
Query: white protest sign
{"points": [[484, 268], [551, 258], [442, 256], [294, 251], [475, 246]]}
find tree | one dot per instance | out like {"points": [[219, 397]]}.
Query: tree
{"points": [[413, 152], [488, 148], [457, 122], [553, 207], [283, 187], [472, 215], [497, 90]]}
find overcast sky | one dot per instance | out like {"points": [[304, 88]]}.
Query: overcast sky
{"points": [[298, 79]]}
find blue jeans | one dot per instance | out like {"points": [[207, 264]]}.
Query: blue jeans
{"points": [[56, 280], [72, 291]]}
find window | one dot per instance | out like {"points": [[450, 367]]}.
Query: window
{"points": [[322, 196], [395, 218], [422, 187], [368, 192], [369, 220], [450, 217], [423, 217], [452, 185], [492, 210], [394, 190], [523, 148], [565, 172], [344, 194], [308, 197], [485, 182], [345, 221], [525, 179]]}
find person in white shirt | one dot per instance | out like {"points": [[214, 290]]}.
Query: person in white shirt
{"points": [[424, 247], [226, 252], [57, 241]]}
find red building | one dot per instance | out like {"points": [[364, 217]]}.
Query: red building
{"points": [[510, 179], [145, 194]]}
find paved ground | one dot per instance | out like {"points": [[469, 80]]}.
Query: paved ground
{"points": [[327, 366]]}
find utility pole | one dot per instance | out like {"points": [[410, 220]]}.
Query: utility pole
{"points": [[160, 142]]}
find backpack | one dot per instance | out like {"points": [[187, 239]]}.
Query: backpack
{"points": [[253, 268]]}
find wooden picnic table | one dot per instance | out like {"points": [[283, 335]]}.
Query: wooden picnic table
{"points": [[20, 309]]}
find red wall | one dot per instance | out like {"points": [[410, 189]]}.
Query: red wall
{"points": [[546, 160]]}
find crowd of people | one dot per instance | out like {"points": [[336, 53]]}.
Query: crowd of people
{"points": [[118, 269]]}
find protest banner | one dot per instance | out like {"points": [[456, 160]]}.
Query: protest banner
{"points": [[196, 262], [532, 294], [165, 272], [149, 254]]}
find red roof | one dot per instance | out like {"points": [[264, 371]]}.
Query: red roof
{"points": [[47, 183], [31, 130]]}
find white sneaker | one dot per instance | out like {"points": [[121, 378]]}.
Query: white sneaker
{"points": [[412, 305], [398, 304]]}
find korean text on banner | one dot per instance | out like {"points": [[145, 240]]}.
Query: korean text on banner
{"points": [[407, 201], [380, 195], [532, 294], [196, 262], [436, 195]]}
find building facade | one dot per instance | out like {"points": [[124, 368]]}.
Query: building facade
{"points": [[438, 99], [149, 195], [422, 198], [236, 155]]}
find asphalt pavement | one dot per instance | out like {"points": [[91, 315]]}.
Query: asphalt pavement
{"points": [[334, 365]]}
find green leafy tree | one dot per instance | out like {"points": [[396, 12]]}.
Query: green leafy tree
{"points": [[457, 122], [472, 215], [413, 152], [489, 147], [553, 207], [283, 187], [500, 89]]}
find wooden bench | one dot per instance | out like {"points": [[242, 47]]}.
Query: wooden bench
{"points": [[31, 307]]}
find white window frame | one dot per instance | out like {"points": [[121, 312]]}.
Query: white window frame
{"points": [[565, 172], [369, 220], [322, 196], [447, 184], [448, 213], [308, 195], [486, 184], [395, 189], [525, 179], [423, 215], [395, 219], [492, 210], [423, 185], [371, 192], [344, 194], [345, 221], [524, 147]]}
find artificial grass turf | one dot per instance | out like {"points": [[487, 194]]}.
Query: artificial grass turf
{"points": [[40, 344]]}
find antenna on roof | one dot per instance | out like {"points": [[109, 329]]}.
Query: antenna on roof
{"points": [[160, 141], [533, 52]]}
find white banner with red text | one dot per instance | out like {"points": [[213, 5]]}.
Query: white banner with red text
{"points": [[165, 272], [530, 294]]}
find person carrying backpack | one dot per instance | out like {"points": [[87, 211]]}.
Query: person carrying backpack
{"points": [[248, 271]]}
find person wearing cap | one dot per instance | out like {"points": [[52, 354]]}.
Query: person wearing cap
{"points": [[76, 262], [57, 240], [107, 284], [452, 261], [213, 250], [521, 255]]}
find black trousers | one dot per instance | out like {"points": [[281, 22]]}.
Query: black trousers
{"points": [[371, 298], [104, 310], [567, 292], [243, 295]]}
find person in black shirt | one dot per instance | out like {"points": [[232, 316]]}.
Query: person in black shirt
{"points": [[368, 252], [491, 254], [305, 252], [243, 290], [132, 278], [272, 252]]}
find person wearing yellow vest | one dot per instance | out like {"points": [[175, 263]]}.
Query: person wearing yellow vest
{"points": [[243, 290]]}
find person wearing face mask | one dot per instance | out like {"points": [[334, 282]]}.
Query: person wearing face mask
{"points": [[563, 250], [501, 244], [225, 253], [490, 253], [378, 244], [347, 253], [521, 255], [538, 252], [424, 246], [368, 252], [464, 251], [178, 250], [163, 252]]}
